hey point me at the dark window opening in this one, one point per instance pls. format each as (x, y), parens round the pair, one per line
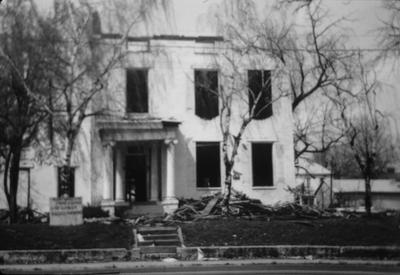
(96, 23)
(206, 93)
(136, 91)
(208, 164)
(262, 164)
(66, 181)
(260, 88)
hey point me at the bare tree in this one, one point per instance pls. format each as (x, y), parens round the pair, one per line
(239, 98)
(316, 129)
(365, 128)
(390, 30)
(312, 57)
(310, 63)
(315, 67)
(340, 160)
(241, 103)
(87, 58)
(27, 61)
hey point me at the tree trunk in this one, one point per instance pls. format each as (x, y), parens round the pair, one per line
(14, 178)
(69, 149)
(66, 171)
(368, 202)
(228, 185)
(5, 177)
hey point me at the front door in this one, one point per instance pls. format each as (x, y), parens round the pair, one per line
(136, 177)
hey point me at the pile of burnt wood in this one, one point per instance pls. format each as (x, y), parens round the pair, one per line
(240, 205)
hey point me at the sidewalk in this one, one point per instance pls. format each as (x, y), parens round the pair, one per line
(115, 266)
(188, 254)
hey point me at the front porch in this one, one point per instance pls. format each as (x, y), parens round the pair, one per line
(139, 159)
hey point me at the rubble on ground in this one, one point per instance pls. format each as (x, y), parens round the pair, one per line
(212, 207)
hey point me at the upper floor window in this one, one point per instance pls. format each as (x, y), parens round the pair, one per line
(208, 164)
(262, 164)
(136, 91)
(206, 93)
(260, 90)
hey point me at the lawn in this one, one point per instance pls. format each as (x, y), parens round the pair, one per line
(42, 236)
(221, 232)
(356, 231)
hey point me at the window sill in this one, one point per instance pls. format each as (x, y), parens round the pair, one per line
(208, 188)
(263, 187)
(137, 115)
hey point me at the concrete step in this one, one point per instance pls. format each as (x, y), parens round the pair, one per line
(157, 256)
(157, 230)
(172, 242)
(157, 249)
(160, 236)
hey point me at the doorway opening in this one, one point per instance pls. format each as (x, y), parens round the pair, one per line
(137, 174)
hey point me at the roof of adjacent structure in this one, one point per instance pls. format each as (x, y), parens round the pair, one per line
(307, 167)
(358, 185)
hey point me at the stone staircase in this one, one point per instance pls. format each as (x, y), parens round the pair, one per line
(158, 242)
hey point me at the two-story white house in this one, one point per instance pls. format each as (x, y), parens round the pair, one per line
(161, 137)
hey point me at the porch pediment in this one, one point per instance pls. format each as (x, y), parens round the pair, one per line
(119, 130)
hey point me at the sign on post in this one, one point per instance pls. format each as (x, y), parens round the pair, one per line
(66, 211)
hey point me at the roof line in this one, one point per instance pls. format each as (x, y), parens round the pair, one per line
(363, 192)
(198, 39)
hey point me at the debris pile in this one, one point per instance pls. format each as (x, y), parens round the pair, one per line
(25, 215)
(212, 207)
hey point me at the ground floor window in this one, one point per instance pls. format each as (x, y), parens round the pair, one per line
(262, 164)
(66, 181)
(208, 164)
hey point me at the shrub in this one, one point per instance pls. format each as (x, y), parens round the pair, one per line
(94, 212)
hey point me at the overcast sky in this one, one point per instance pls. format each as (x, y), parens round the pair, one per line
(189, 15)
(364, 14)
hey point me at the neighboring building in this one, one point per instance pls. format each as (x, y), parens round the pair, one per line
(313, 184)
(385, 194)
(161, 139)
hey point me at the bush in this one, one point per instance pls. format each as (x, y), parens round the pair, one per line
(120, 211)
(94, 212)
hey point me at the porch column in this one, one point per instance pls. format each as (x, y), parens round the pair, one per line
(154, 176)
(170, 184)
(108, 172)
(108, 178)
(170, 203)
(120, 177)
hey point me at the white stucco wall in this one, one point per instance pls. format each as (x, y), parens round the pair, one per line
(43, 186)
